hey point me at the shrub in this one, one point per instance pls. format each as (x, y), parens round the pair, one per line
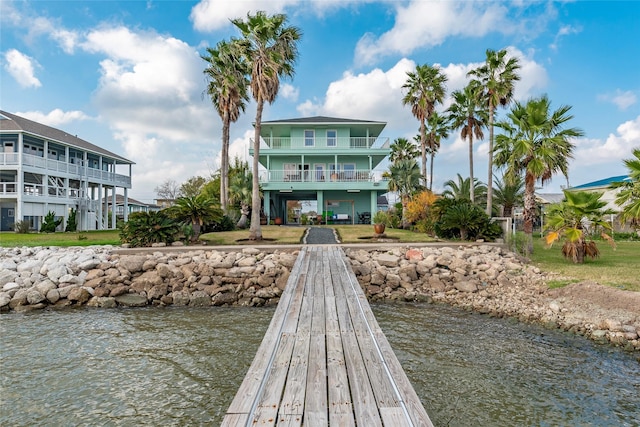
(146, 228)
(22, 227)
(420, 212)
(71, 221)
(459, 218)
(50, 223)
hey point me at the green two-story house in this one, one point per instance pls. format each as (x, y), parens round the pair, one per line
(325, 162)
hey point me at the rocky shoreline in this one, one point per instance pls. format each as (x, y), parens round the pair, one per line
(482, 278)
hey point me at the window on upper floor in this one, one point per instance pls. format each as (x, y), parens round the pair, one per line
(332, 138)
(309, 138)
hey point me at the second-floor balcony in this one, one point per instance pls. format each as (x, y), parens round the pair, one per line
(348, 176)
(338, 143)
(57, 167)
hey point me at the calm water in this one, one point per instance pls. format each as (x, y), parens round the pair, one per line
(182, 367)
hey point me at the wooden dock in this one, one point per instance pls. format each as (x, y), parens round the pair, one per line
(324, 360)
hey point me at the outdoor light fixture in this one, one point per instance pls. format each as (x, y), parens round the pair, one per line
(353, 191)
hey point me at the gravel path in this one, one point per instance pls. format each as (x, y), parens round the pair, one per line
(320, 236)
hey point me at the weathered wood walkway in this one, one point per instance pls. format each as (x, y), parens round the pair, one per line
(324, 360)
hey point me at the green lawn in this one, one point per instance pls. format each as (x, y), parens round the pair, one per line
(619, 267)
(271, 234)
(85, 238)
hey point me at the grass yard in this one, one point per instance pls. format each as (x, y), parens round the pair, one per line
(618, 268)
(84, 238)
(271, 235)
(363, 233)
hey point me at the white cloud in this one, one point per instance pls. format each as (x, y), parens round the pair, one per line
(22, 68)
(426, 24)
(595, 151)
(55, 117)
(289, 92)
(565, 30)
(622, 100)
(210, 15)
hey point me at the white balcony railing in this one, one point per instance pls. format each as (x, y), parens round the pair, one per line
(358, 175)
(50, 165)
(340, 143)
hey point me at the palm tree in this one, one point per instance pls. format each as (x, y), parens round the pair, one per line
(470, 114)
(509, 193)
(404, 178)
(461, 189)
(581, 211)
(240, 192)
(228, 82)
(196, 211)
(629, 196)
(270, 48)
(438, 125)
(425, 87)
(497, 77)
(402, 149)
(536, 143)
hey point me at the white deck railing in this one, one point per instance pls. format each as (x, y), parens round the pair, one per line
(50, 165)
(339, 143)
(358, 175)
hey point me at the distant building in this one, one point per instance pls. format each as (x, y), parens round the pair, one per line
(604, 186)
(133, 205)
(43, 169)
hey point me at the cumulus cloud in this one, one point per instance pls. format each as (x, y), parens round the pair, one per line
(614, 148)
(55, 117)
(210, 15)
(22, 68)
(622, 99)
(426, 24)
(289, 92)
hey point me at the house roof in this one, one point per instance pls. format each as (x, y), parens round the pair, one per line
(321, 120)
(602, 182)
(11, 122)
(550, 198)
(130, 201)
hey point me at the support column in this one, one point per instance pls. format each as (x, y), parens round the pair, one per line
(113, 208)
(18, 215)
(374, 202)
(267, 205)
(320, 201)
(99, 210)
(126, 204)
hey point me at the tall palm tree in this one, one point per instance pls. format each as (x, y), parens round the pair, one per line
(404, 178)
(509, 193)
(439, 127)
(535, 142)
(461, 189)
(270, 48)
(425, 88)
(470, 114)
(227, 73)
(498, 76)
(629, 196)
(402, 149)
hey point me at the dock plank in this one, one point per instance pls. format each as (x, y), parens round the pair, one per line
(324, 359)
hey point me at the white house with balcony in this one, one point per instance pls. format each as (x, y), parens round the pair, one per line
(326, 160)
(43, 169)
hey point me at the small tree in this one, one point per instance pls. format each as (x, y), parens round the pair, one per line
(72, 225)
(419, 211)
(146, 228)
(580, 213)
(50, 223)
(195, 211)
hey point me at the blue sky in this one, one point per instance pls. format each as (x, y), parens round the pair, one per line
(127, 75)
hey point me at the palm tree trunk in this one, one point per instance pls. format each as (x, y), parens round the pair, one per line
(255, 231)
(423, 151)
(471, 185)
(224, 164)
(529, 211)
(490, 176)
(431, 171)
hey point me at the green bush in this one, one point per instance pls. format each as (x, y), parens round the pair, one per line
(459, 218)
(145, 228)
(50, 223)
(22, 227)
(71, 221)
